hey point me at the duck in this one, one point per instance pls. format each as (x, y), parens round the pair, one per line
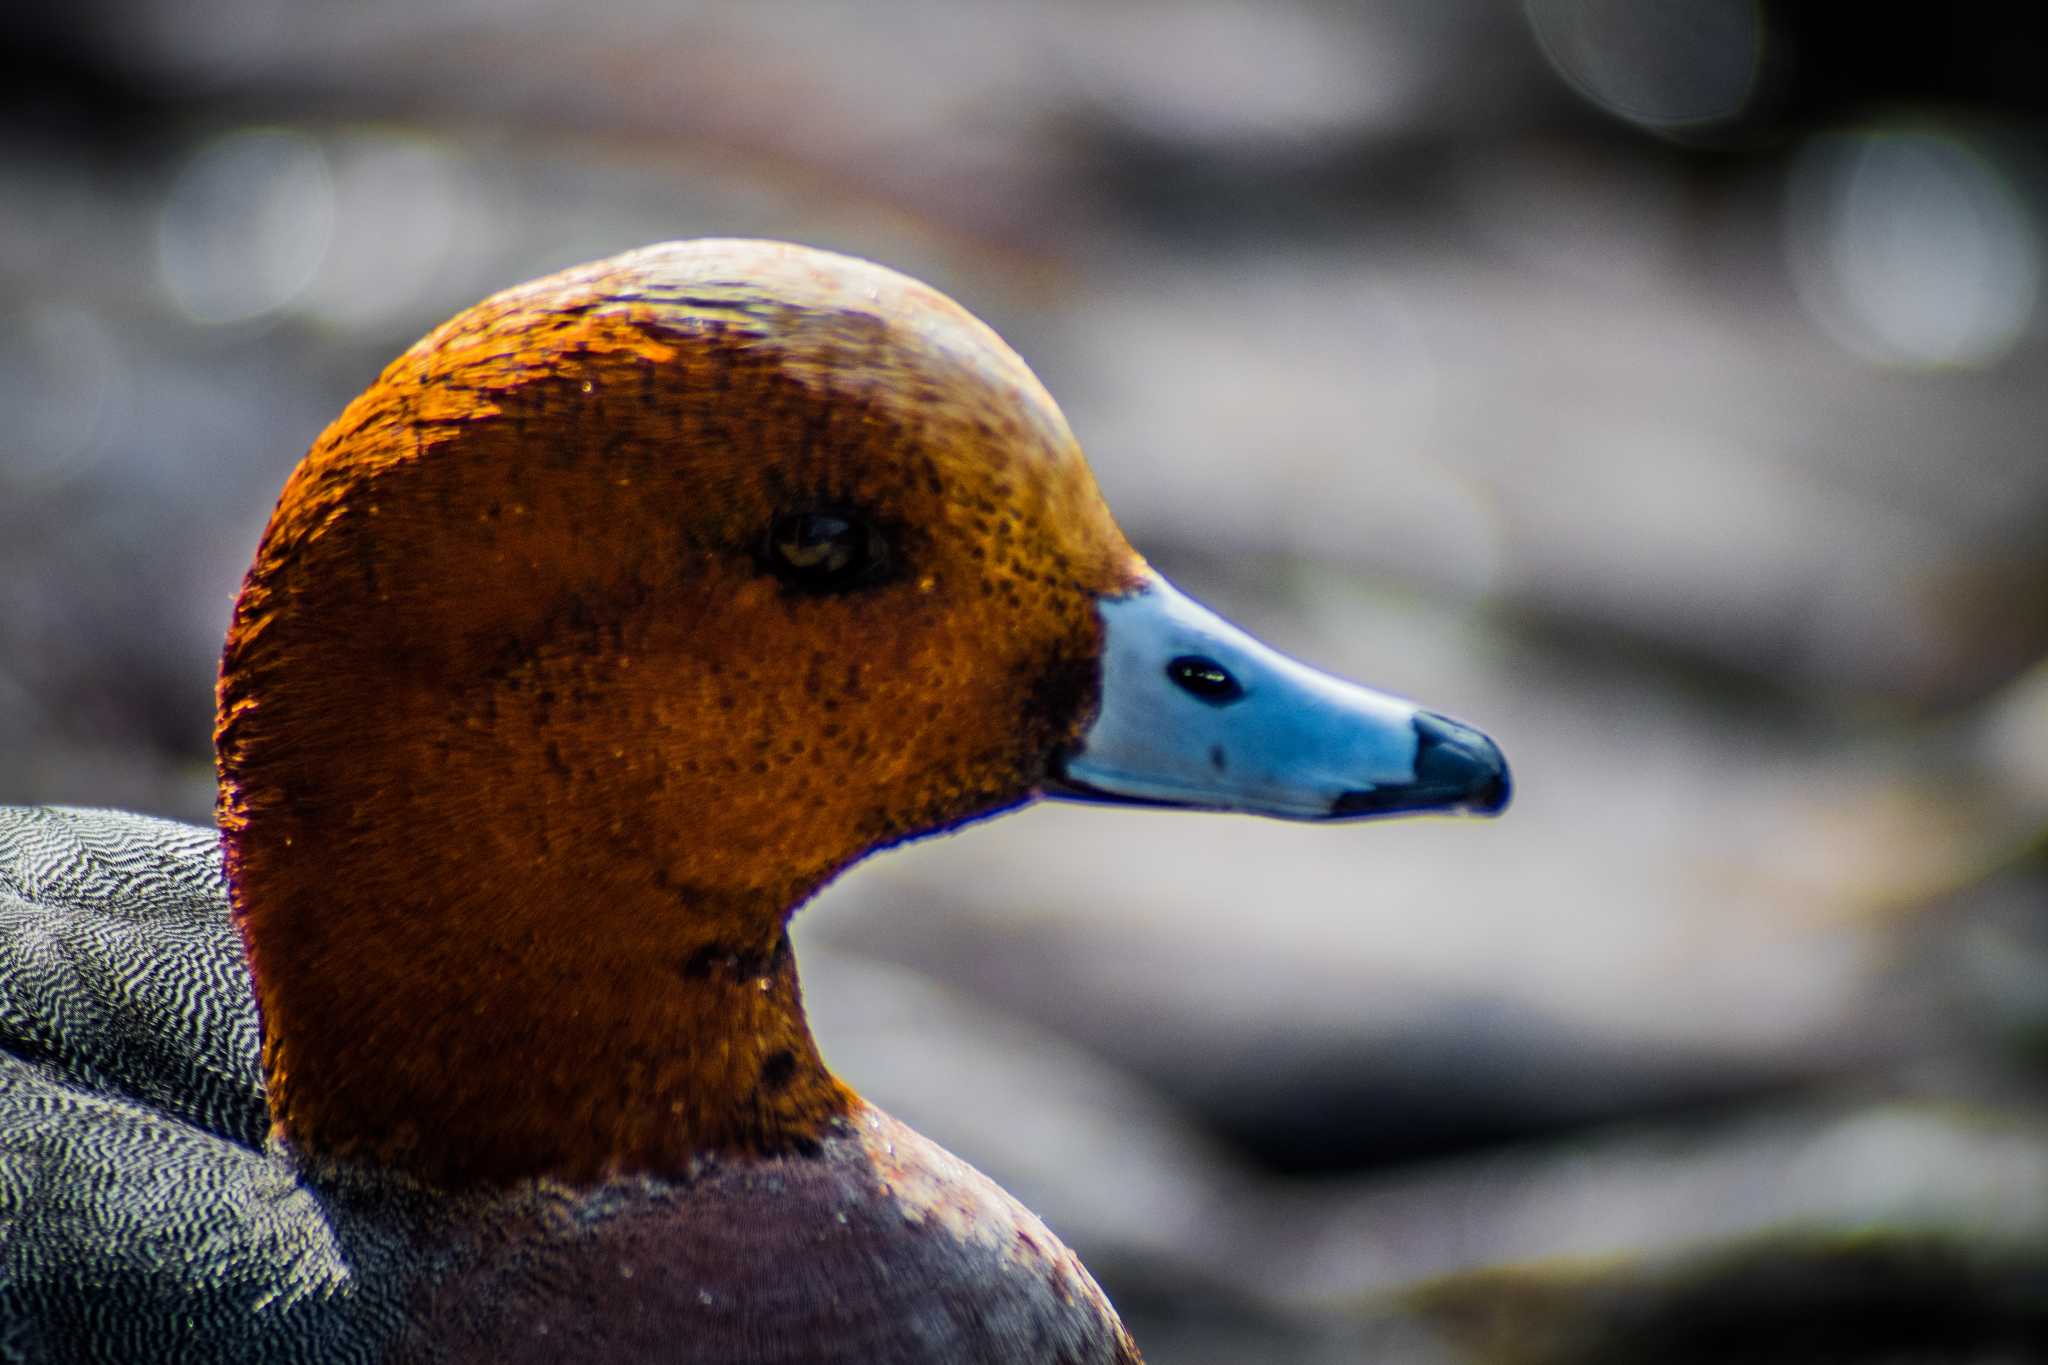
(622, 613)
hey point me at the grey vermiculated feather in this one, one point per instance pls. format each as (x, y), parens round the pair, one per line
(121, 973)
(141, 1218)
(144, 1217)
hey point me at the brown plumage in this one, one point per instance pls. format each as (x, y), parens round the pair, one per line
(525, 762)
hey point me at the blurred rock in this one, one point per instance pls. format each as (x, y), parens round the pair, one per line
(1109, 1165)
(1667, 458)
(1787, 1299)
(1615, 1245)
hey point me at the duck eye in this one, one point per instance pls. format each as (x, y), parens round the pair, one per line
(1204, 678)
(823, 550)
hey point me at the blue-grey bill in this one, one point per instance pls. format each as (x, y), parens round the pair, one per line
(1196, 713)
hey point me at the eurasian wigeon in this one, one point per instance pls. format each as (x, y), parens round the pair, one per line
(621, 614)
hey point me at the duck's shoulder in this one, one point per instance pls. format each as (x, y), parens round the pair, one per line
(124, 976)
(878, 1245)
(141, 1216)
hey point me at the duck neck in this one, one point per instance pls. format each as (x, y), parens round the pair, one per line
(596, 1026)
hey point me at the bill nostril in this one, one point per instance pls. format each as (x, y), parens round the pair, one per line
(1204, 678)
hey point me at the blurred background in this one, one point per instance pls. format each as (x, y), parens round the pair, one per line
(1662, 386)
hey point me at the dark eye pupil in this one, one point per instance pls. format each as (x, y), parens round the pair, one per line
(1204, 678)
(816, 542)
(820, 549)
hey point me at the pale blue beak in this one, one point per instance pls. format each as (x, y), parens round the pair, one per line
(1196, 713)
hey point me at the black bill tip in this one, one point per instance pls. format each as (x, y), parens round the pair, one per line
(1456, 768)
(1457, 758)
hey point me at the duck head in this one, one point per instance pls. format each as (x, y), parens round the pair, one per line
(624, 611)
